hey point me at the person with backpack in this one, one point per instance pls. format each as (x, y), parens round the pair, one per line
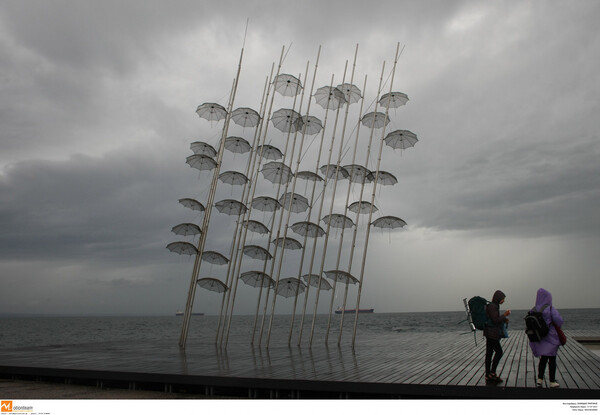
(492, 332)
(547, 347)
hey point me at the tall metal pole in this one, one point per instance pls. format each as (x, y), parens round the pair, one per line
(364, 259)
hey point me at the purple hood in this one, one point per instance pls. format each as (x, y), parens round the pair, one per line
(543, 297)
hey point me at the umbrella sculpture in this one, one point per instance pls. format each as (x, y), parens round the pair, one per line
(182, 248)
(277, 172)
(237, 145)
(351, 92)
(313, 280)
(192, 204)
(287, 85)
(287, 120)
(309, 175)
(257, 252)
(330, 97)
(342, 173)
(212, 284)
(202, 148)
(186, 229)
(341, 276)
(312, 125)
(290, 287)
(338, 220)
(288, 243)
(245, 117)
(294, 202)
(361, 207)
(386, 179)
(375, 120)
(200, 162)
(214, 258)
(230, 207)
(257, 279)
(211, 111)
(269, 152)
(265, 204)
(359, 174)
(401, 139)
(308, 229)
(393, 99)
(233, 178)
(256, 226)
(389, 222)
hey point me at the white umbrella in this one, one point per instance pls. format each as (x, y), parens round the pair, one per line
(359, 174)
(211, 111)
(265, 204)
(230, 207)
(351, 92)
(186, 229)
(389, 222)
(214, 258)
(212, 284)
(257, 279)
(246, 117)
(375, 120)
(313, 280)
(395, 99)
(269, 152)
(309, 175)
(192, 204)
(277, 172)
(182, 248)
(200, 162)
(342, 173)
(294, 202)
(287, 120)
(330, 97)
(401, 139)
(312, 125)
(338, 220)
(308, 229)
(287, 85)
(290, 287)
(362, 207)
(233, 178)
(202, 148)
(289, 243)
(256, 226)
(341, 276)
(257, 252)
(237, 145)
(386, 179)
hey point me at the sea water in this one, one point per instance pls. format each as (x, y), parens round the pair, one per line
(27, 331)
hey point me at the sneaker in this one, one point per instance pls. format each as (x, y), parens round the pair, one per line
(539, 382)
(554, 384)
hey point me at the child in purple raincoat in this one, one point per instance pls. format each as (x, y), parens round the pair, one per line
(547, 348)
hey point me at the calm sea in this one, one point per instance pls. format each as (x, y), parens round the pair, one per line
(43, 331)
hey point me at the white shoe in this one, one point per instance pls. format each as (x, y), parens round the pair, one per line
(554, 384)
(539, 382)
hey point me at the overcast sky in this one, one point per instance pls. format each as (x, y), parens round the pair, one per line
(97, 111)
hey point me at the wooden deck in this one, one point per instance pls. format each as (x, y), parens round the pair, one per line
(411, 365)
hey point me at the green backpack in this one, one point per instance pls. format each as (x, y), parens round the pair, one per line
(477, 312)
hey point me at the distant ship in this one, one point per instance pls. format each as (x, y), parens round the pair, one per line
(180, 313)
(339, 310)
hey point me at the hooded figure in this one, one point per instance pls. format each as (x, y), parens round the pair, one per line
(493, 312)
(548, 346)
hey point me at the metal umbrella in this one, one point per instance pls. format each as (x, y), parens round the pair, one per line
(233, 178)
(351, 92)
(342, 173)
(341, 276)
(330, 97)
(257, 279)
(277, 172)
(312, 125)
(269, 152)
(401, 139)
(287, 120)
(186, 229)
(257, 252)
(375, 120)
(192, 204)
(313, 280)
(212, 284)
(256, 226)
(200, 162)
(393, 99)
(237, 145)
(289, 243)
(182, 248)
(389, 222)
(338, 220)
(386, 179)
(202, 148)
(362, 207)
(246, 117)
(308, 229)
(359, 174)
(287, 85)
(214, 257)
(265, 204)
(231, 207)
(211, 111)
(309, 175)
(294, 202)
(290, 287)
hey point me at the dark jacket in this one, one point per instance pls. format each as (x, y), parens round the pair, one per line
(492, 310)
